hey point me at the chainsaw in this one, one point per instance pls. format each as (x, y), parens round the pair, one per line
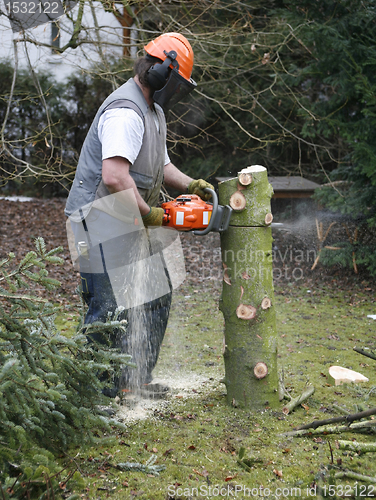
(188, 212)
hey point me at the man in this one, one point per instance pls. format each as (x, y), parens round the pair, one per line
(125, 152)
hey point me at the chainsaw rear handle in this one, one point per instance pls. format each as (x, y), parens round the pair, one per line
(213, 215)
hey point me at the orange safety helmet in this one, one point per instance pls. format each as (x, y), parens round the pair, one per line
(171, 78)
(177, 42)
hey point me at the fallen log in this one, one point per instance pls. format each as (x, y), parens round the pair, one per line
(343, 375)
(357, 447)
(354, 475)
(334, 429)
(147, 468)
(340, 409)
(282, 391)
(345, 418)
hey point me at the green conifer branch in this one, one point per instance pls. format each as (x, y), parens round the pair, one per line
(49, 385)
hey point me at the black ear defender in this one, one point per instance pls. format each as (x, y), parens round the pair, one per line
(159, 73)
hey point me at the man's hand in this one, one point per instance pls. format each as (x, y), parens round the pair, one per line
(154, 217)
(198, 186)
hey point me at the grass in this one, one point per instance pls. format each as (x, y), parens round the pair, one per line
(211, 450)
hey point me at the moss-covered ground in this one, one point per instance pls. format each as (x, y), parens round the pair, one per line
(211, 450)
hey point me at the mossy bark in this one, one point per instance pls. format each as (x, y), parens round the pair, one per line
(247, 302)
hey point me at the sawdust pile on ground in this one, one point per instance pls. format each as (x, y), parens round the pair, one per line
(132, 408)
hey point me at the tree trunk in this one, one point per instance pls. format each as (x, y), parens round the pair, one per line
(247, 302)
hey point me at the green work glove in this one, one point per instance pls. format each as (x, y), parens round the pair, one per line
(154, 217)
(198, 186)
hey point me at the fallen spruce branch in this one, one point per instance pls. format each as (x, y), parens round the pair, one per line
(345, 418)
(335, 429)
(148, 467)
(365, 353)
(289, 407)
(357, 447)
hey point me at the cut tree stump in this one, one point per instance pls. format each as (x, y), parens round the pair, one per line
(247, 301)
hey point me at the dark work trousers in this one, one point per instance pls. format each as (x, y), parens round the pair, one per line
(146, 322)
(146, 326)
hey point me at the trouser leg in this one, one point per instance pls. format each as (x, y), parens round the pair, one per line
(145, 332)
(146, 328)
(97, 294)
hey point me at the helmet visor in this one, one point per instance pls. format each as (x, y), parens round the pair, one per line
(176, 88)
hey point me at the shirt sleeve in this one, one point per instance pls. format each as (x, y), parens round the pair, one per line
(120, 132)
(167, 158)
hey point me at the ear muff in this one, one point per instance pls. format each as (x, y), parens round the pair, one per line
(159, 73)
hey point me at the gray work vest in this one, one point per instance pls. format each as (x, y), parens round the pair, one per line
(147, 170)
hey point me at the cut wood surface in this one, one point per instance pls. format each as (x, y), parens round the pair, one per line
(246, 312)
(245, 179)
(226, 278)
(237, 201)
(260, 370)
(344, 375)
(252, 169)
(266, 303)
(268, 218)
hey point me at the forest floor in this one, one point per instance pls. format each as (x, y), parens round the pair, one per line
(208, 448)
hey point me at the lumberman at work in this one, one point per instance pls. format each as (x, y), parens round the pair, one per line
(125, 151)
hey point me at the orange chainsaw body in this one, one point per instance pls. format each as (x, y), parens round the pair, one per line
(187, 212)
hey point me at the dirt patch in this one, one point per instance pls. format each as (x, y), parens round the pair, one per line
(23, 221)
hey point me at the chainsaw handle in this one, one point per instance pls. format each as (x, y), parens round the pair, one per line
(213, 215)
